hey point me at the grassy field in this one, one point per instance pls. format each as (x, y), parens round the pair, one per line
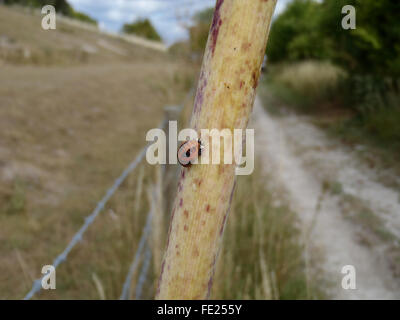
(74, 110)
(68, 128)
(65, 136)
(24, 42)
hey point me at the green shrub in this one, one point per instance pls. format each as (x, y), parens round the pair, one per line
(142, 28)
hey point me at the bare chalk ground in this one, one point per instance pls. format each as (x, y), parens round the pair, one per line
(299, 157)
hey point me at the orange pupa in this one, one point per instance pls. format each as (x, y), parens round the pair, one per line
(188, 152)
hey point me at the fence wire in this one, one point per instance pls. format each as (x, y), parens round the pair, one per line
(135, 263)
(37, 284)
(143, 273)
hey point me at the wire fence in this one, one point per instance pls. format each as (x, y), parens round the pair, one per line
(135, 263)
(143, 243)
(143, 272)
(37, 284)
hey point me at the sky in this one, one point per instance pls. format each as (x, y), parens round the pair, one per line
(168, 16)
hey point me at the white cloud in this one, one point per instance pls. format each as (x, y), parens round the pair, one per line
(112, 14)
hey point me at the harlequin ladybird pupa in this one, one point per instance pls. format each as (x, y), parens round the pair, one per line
(188, 152)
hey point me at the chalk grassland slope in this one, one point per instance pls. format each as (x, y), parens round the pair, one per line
(23, 41)
(68, 127)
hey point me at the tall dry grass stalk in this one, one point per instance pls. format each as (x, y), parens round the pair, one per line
(158, 230)
(262, 254)
(224, 99)
(310, 78)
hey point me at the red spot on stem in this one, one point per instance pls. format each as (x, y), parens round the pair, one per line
(216, 24)
(255, 80)
(246, 46)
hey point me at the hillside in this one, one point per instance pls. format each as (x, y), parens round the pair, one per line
(23, 41)
(74, 109)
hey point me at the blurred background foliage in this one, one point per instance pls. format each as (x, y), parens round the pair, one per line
(142, 27)
(367, 60)
(322, 69)
(199, 30)
(311, 30)
(313, 63)
(62, 6)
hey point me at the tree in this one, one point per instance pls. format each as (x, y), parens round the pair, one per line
(295, 33)
(373, 47)
(312, 30)
(198, 32)
(142, 27)
(61, 6)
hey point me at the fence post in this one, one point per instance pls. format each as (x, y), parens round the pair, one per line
(224, 99)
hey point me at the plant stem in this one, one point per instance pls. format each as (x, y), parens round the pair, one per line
(224, 100)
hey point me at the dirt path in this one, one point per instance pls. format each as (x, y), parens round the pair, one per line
(300, 158)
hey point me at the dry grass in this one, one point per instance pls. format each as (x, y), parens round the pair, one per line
(65, 134)
(263, 251)
(308, 86)
(23, 41)
(310, 78)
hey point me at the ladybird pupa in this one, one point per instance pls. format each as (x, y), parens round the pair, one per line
(188, 152)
